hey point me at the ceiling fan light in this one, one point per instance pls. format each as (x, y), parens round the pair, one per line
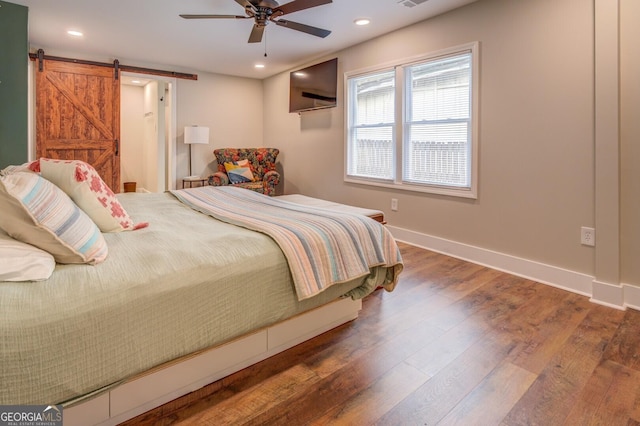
(362, 21)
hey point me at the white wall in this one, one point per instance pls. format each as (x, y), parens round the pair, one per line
(536, 131)
(537, 174)
(145, 118)
(131, 133)
(630, 138)
(153, 153)
(232, 109)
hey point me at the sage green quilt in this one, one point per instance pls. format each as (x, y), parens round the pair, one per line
(185, 283)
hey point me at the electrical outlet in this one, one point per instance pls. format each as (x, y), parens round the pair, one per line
(394, 204)
(587, 236)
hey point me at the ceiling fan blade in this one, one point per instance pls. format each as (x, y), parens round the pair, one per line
(244, 3)
(297, 5)
(214, 17)
(318, 32)
(256, 33)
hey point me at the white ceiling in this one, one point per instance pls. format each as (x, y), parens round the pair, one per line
(150, 32)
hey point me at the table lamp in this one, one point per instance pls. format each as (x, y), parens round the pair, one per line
(195, 134)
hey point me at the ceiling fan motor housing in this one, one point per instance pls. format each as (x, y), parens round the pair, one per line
(262, 15)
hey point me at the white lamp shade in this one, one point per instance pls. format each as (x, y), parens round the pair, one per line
(196, 134)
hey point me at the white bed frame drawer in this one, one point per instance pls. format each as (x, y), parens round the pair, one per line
(173, 380)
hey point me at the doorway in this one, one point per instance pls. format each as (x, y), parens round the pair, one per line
(147, 131)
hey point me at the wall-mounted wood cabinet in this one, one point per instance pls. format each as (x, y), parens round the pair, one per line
(14, 60)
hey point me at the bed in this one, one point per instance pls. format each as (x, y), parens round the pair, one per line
(175, 305)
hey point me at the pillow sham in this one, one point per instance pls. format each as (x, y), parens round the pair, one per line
(23, 262)
(37, 212)
(81, 182)
(238, 173)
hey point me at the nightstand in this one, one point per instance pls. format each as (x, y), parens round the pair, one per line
(193, 179)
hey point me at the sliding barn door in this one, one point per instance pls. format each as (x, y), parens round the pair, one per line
(78, 116)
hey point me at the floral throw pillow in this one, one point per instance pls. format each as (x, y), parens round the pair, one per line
(81, 182)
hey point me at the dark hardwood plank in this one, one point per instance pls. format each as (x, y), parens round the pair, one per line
(246, 405)
(556, 390)
(549, 328)
(437, 397)
(354, 376)
(374, 401)
(455, 343)
(612, 396)
(625, 347)
(493, 398)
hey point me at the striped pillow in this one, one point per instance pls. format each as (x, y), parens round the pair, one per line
(37, 212)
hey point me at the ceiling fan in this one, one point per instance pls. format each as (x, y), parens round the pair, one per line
(263, 11)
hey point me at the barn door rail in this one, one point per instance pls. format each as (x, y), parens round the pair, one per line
(116, 65)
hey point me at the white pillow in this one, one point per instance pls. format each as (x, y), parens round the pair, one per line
(23, 262)
(26, 167)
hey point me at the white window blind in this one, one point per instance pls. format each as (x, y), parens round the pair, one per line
(438, 122)
(371, 130)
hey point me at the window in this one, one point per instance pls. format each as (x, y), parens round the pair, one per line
(411, 125)
(371, 132)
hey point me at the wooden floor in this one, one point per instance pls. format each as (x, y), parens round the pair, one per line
(455, 343)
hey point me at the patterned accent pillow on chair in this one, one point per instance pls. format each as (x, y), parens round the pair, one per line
(238, 173)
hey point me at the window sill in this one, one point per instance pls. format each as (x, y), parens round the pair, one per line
(429, 189)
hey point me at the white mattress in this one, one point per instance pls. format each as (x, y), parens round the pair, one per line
(328, 205)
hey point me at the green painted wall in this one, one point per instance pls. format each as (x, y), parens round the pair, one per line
(14, 59)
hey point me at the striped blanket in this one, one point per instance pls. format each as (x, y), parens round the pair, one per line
(322, 247)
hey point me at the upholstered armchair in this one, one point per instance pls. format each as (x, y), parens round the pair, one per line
(250, 168)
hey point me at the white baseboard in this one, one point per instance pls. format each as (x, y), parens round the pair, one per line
(608, 294)
(632, 296)
(616, 296)
(619, 297)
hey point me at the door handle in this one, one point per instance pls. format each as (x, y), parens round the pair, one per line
(117, 146)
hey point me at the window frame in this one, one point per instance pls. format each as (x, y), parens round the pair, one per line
(399, 123)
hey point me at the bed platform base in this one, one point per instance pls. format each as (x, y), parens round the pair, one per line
(175, 379)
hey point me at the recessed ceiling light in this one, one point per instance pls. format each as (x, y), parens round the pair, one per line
(259, 65)
(136, 81)
(74, 33)
(362, 21)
